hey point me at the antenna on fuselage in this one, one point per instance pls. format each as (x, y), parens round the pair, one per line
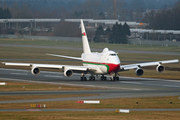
(86, 48)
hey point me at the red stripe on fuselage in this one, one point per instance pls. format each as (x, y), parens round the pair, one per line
(111, 67)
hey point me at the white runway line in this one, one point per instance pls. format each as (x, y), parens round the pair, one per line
(150, 79)
(132, 83)
(53, 76)
(14, 70)
(19, 73)
(171, 86)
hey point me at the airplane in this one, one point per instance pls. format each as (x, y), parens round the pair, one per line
(105, 63)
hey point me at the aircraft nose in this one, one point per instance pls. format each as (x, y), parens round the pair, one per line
(114, 68)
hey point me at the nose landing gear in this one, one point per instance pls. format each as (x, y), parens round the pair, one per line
(115, 77)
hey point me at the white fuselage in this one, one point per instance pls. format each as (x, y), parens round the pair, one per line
(107, 62)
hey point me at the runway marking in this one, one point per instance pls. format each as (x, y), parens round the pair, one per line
(51, 72)
(78, 85)
(53, 76)
(19, 73)
(171, 86)
(14, 70)
(131, 82)
(152, 79)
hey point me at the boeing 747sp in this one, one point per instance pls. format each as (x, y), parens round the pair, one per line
(105, 63)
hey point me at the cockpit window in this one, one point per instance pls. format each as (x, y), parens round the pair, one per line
(112, 54)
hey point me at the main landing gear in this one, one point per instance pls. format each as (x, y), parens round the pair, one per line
(114, 78)
(103, 78)
(83, 78)
(92, 78)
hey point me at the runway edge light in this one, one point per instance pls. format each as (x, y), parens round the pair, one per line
(2, 83)
(88, 102)
(122, 111)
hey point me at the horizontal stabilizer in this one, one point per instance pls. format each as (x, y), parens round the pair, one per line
(76, 58)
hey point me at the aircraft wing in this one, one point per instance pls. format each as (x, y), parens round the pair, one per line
(139, 65)
(52, 66)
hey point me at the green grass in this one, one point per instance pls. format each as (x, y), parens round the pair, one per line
(17, 86)
(116, 103)
(92, 45)
(89, 116)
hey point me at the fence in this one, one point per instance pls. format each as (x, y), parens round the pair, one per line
(152, 42)
(76, 39)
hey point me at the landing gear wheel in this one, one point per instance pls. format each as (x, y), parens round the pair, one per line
(91, 78)
(83, 78)
(103, 78)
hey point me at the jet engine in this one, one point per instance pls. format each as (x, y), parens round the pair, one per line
(35, 71)
(68, 73)
(139, 72)
(160, 68)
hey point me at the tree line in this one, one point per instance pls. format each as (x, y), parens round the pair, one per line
(127, 10)
(118, 34)
(165, 19)
(5, 13)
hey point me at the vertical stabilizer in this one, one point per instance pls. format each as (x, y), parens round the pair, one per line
(86, 48)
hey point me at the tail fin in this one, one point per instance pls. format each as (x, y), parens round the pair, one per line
(86, 48)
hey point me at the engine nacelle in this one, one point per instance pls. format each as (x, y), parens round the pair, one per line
(139, 72)
(68, 73)
(35, 71)
(160, 68)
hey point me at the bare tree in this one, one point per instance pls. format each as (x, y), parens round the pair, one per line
(92, 7)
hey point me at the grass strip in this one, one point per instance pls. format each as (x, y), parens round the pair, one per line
(120, 103)
(89, 116)
(92, 45)
(18, 86)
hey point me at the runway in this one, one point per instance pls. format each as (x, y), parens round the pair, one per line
(125, 88)
(125, 83)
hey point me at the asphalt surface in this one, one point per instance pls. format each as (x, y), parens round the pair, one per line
(125, 88)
